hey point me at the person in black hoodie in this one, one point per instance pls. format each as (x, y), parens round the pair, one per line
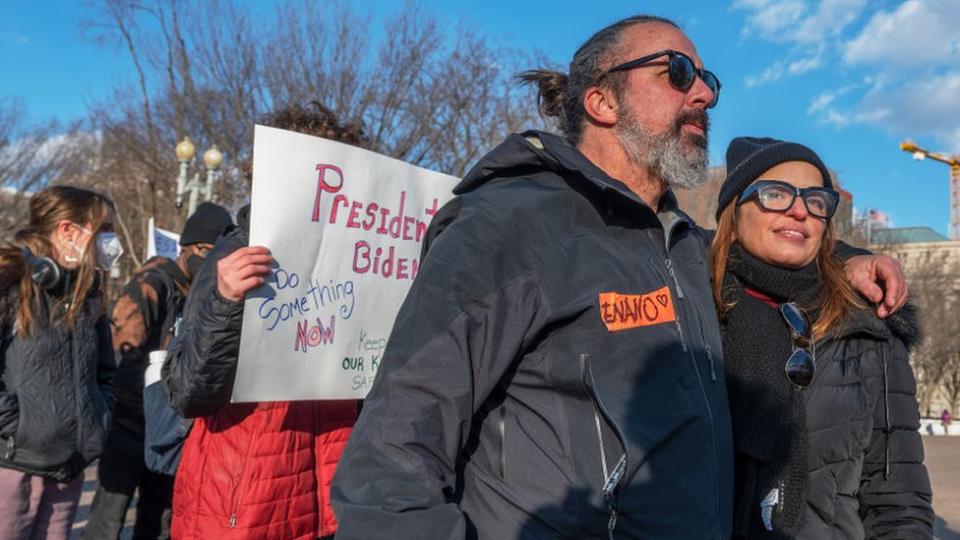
(822, 396)
(56, 359)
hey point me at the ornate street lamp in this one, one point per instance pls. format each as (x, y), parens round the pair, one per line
(212, 159)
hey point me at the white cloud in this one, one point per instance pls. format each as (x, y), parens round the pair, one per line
(807, 27)
(772, 17)
(797, 21)
(922, 107)
(821, 102)
(836, 118)
(829, 19)
(918, 32)
(771, 74)
(804, 65)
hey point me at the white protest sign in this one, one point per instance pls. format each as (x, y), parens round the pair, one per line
(345, 227)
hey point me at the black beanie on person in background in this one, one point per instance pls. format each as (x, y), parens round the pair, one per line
(205, 224)
(749, 157)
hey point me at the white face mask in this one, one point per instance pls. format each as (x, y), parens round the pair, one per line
(109, 250)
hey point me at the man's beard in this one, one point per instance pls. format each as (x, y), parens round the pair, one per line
(677, 162)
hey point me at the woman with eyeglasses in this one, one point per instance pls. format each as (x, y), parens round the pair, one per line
(822, 396)
(56, 359)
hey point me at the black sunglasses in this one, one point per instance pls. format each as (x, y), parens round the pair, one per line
(683, 72)
(802, 364)
(778, 196)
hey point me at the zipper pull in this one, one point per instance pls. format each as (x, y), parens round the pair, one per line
(612, 524)
(683, 342)
(233, 521)
(713, 373)
(673, 275)
(11, 445)
(609, 493)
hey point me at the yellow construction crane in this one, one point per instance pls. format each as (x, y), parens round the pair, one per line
(954, 163)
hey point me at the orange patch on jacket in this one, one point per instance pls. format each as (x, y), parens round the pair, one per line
(626, 311)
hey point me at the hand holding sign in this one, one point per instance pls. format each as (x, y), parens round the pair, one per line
(242, 271)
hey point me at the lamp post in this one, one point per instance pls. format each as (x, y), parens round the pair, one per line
(212, 159)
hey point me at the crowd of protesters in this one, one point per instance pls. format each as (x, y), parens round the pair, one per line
(773, 399)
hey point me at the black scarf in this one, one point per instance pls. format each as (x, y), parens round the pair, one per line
(769, 416)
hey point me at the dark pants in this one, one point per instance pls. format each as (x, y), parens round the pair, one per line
(120, 473)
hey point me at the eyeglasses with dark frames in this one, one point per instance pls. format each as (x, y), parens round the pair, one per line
(801, 365)
(683, 72)
(779, 196)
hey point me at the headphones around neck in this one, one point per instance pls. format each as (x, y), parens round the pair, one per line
(43, 270)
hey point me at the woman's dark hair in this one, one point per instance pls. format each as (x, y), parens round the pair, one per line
(561, 95)
(48, 208)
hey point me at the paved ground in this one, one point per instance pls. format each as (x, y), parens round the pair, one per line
(943, 463)
(942, 458)
(89, 488)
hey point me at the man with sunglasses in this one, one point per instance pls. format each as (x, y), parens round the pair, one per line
(556, 369)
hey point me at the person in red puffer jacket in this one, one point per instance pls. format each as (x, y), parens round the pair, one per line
(249, 470)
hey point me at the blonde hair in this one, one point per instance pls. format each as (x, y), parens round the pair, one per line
(837, 297)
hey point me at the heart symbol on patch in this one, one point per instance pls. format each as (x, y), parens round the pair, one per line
(663, 299)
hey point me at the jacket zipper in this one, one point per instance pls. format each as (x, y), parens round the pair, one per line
(234, 497)
(503, 442)
(696, 370)
(596, 421)
(616, 478)
(887, 430)
(76, 389)
(676, 285)
(706, 347)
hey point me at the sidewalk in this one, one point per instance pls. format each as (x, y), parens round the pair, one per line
(89, 488)
(943, 464)
(932, 426)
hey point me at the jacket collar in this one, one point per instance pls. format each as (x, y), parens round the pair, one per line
(537, 150)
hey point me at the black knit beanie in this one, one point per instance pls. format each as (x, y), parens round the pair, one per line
(749, 157)
(205, 224)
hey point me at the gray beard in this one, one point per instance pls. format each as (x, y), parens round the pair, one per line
(665, 156)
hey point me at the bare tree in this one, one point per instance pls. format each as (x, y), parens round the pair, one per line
(426, 95)
(32, 155)
(935, 290)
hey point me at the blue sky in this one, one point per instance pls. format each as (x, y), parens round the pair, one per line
(850, 78)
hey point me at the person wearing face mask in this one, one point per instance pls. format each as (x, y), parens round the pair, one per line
(144, 318)
(822, 397)
(56, 360)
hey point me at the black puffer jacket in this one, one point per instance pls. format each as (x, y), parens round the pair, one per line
(865, 455)
(55, 391)
(201, 363)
